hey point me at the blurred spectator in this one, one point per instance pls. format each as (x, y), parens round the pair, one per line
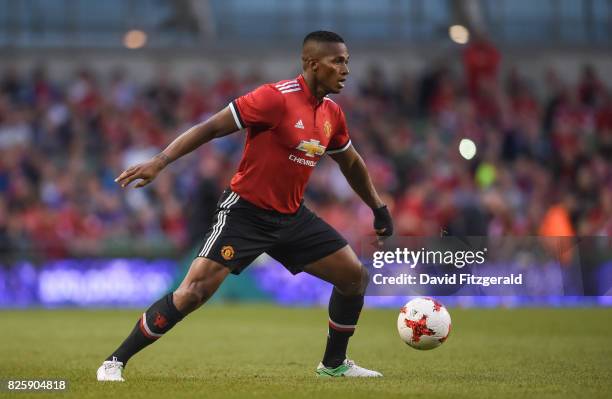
(481, 62)
(590, 87)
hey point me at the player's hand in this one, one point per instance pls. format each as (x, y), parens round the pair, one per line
(383, 225)
(146, 172)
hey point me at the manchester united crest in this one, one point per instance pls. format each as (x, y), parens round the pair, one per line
(327, 128)
(227, 252)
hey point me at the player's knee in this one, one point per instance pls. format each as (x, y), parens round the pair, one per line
(192, 296)
(188, 299)
(365, 279)
(201, 282)
(356, 285)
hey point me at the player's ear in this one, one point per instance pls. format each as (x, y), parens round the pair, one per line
(314, 64)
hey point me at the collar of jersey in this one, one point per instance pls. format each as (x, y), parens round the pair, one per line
(311, 98)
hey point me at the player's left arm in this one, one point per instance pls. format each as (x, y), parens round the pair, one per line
(354, 169)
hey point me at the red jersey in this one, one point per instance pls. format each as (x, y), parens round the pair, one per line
(288, 131)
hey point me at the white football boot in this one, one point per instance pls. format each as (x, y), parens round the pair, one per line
(348, 368)
(110, 370)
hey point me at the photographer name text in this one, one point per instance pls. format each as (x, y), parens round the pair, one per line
(447, 279)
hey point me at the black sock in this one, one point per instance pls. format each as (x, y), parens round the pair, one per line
(155, 322)
(343, 315)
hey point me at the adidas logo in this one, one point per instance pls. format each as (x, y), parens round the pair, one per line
(299, 124)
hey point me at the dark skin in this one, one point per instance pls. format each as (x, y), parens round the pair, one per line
(325, 68)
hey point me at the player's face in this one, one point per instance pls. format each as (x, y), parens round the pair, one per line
(332, 69)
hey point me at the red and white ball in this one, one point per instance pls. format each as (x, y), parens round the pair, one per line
(424, 323)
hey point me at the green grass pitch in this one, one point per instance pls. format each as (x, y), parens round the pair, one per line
(244, 351)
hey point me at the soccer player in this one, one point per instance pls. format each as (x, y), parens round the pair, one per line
(290, 125)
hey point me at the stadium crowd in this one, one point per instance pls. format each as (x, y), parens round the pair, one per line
(543, 164)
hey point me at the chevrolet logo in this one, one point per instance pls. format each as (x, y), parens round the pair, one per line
(311, 148)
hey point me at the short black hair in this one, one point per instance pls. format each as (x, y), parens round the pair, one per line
(323, 36)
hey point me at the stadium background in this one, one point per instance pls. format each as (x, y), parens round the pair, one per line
(89, 88)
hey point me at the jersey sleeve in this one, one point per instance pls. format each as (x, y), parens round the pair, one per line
(263, 107)
(340, 141)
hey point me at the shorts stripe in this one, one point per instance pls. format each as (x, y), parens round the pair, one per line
(215, 234)
(229, 201)
(220, 222)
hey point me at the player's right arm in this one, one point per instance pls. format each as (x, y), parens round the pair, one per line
(219, 125)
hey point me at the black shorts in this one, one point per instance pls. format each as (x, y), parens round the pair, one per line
(241, 231)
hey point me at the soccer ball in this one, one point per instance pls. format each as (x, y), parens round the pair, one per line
(424, 323)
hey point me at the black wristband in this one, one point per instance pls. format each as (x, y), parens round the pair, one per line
(381, 211)
(382, 220)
